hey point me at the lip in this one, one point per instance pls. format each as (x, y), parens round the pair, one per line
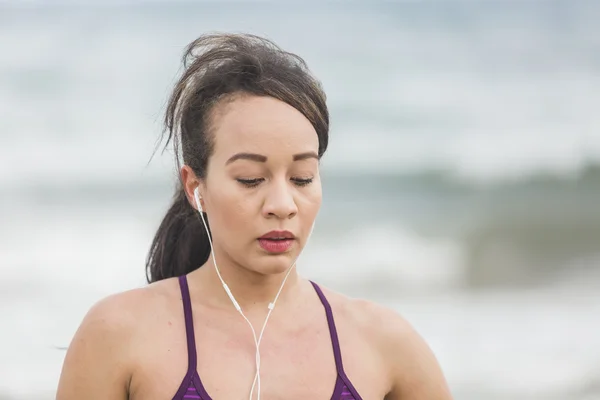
(268, 243)
(278, 235)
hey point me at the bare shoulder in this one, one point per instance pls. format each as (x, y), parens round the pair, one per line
(118, 315)
(413, 368)
(373, 319)
(100, 357)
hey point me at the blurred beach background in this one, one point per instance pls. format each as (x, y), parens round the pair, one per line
(461, 186)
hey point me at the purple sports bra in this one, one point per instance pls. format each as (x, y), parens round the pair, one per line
(191, 387)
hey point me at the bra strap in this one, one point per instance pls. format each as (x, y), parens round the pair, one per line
(332, 331)
(189, 323)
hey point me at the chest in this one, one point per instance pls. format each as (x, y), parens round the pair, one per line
(296, 363)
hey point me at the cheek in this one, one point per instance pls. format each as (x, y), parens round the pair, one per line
(232, 210)
(235, 216)
(312, 202)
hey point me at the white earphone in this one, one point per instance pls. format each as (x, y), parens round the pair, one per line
(271, 305)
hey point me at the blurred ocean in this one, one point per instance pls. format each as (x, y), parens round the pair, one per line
(462, 183)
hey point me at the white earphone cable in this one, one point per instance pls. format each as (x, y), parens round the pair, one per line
(235, 303)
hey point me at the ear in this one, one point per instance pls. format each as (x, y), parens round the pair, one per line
(190, 182)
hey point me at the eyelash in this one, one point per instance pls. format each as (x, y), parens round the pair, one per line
(250, 183)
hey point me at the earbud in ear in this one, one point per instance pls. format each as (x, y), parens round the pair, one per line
(197, 198)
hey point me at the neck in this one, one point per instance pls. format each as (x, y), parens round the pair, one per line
(252, 291)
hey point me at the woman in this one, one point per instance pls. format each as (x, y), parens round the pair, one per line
(250, 123)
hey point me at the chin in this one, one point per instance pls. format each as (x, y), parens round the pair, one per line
(274, 264)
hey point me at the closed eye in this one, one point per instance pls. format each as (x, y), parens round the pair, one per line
(302, 181)
(250, 183)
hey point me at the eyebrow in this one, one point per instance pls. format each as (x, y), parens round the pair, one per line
(260, 158)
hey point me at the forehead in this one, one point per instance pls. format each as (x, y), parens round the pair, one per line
(262, 125)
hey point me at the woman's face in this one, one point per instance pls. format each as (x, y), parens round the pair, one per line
(263, 176)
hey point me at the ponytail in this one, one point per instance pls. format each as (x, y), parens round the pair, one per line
(180, 244)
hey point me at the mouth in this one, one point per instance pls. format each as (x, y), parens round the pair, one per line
(276, 241)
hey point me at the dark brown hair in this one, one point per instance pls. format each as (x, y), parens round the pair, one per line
(216, 68)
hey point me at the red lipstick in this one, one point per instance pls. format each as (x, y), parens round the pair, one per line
(276, 241)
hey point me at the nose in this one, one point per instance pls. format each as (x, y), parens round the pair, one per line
(279, 201)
